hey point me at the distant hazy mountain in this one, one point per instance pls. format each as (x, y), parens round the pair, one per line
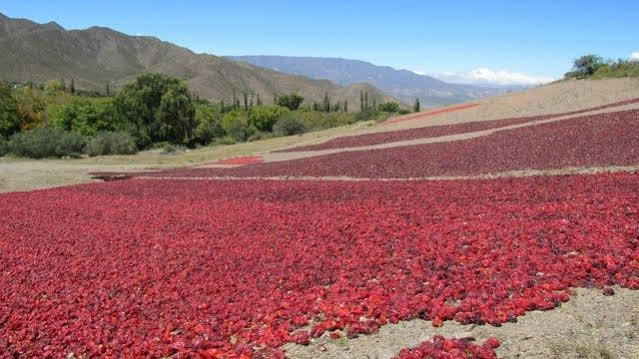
(403, 84)
(35, 52)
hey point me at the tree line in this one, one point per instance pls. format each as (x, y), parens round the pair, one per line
(596, 67)
(156, 110)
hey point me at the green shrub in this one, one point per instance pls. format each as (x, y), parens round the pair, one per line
(619, 68)
(289, 125)
(366, 114)
(4, 147)
(292, 101)
(314, 120)
(263, 118)
(209, 124)
(45, 142)
(389, 107)
(235, 124)
(111, 143)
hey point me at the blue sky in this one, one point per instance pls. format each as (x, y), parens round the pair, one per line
(462, 39)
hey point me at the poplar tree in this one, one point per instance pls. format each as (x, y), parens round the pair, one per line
(417, 106)
(327, 102)
(235, 102)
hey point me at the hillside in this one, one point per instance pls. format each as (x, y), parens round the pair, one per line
(402, 84)
(95, 56)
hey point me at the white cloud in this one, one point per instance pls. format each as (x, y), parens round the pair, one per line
(488, 76)
(420, 72)
(634, 55)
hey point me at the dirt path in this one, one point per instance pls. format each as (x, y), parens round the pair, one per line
(518, 173)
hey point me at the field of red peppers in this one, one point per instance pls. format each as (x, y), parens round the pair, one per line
(410, 134)
(435, 131)
(441, 347)
(161, 267)
(596, 140)
(243, 160)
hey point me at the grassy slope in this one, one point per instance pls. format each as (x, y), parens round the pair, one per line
(626, 69)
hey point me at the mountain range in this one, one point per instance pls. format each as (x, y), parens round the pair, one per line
(95, 56)
(402, 84)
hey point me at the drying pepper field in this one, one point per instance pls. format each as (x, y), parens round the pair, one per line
(162, 266)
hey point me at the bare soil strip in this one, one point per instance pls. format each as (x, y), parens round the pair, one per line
(589, 325)
(518, 173)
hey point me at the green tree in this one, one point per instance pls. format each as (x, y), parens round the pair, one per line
(245, 102)
(263, 118)
(292, 101)
(345, 105)
(53, 87)
(159, 108)
(32, 108)
(9, 119)
(327, 103)
(87, 117)
(366, 99)
(259, 100)
(108, 89)
(417, 106)
(235, 124)
(235, 106)
(209, 124)
(586, 66)
(72, 87)
(361, 100)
